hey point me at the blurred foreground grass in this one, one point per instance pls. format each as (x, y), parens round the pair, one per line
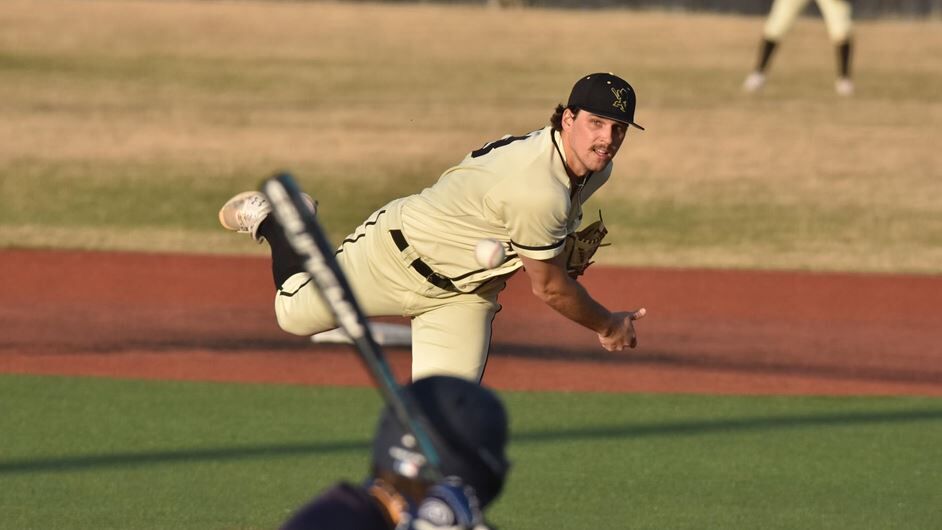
(103, 454)
(126, 124)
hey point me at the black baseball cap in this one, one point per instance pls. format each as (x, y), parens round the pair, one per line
(606, 95)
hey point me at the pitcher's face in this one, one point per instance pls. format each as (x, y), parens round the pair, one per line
(591, 141)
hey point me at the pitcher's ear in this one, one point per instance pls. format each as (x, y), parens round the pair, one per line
(568, 117)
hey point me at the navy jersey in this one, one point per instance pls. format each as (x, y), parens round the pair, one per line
(342, 507)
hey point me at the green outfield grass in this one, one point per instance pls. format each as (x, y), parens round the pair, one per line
(86, 453)
(127, 123)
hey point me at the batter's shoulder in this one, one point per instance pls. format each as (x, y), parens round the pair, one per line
(341, 507)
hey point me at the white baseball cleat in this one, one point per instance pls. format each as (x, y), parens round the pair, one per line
(754, 82)
(246, 211)
(844, 87)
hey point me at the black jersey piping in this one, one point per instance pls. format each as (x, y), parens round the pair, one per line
(573, 189)
(543, 247)
(294, 292)
(357, 238)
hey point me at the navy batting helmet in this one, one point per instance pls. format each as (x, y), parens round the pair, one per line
(468, 429)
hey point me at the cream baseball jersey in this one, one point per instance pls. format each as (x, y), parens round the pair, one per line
(515, 190)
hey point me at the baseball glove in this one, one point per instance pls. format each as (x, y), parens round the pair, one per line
(582, 245)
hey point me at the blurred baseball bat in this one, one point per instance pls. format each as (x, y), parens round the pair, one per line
(307, 238)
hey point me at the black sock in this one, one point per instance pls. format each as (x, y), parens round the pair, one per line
(285, 262)
(765, 54)
(844, 55)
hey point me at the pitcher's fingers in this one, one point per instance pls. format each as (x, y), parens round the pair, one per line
(639, 314)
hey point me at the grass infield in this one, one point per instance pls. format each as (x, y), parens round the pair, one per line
(88, 453)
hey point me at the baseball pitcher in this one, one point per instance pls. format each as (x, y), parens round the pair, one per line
(415, 256)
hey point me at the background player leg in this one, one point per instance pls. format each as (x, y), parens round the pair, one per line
(837, 16)
(781, 17)
(844, 86)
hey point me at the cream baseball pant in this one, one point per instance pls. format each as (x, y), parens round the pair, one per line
(836, 13)
(451, 332)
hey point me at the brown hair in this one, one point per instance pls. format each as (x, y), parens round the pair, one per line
(556, 120)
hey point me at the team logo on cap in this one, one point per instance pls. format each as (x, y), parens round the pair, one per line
(619, 103)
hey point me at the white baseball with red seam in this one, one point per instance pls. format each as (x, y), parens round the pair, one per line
(489, 253)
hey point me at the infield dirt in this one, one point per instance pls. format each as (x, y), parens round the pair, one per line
(161, 316)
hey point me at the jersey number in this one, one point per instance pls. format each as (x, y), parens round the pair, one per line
(495, 144)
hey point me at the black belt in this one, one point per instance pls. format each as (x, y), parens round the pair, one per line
(432, 277)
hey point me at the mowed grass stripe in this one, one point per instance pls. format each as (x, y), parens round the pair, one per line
(101, 453)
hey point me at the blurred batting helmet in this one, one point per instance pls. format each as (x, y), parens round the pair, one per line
(469, 429)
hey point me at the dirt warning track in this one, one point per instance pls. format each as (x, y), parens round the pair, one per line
(719, 332)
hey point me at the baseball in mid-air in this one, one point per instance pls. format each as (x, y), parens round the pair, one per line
(489, 253)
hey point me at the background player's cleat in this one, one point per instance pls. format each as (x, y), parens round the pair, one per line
(844, 87)
(246, 211)
(754, 82)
